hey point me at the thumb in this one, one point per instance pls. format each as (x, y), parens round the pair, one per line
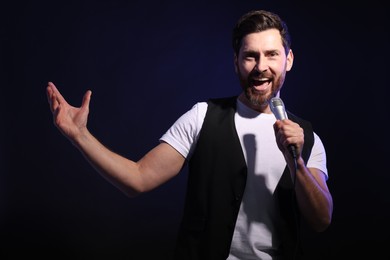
(86, 99)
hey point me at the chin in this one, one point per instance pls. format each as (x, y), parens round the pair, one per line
(258, 102)
(258, 99)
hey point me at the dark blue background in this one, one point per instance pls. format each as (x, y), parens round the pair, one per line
(147, 62)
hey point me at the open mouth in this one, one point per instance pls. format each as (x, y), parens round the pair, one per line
(261, 84)
(261, 81)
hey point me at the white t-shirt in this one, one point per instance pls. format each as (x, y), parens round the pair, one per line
(254, 235)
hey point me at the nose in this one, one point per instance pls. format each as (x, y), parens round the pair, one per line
(261, 66)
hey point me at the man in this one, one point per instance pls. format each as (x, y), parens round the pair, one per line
(246, 191)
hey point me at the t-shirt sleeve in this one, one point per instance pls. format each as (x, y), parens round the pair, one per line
(183, 134)
(317, 157)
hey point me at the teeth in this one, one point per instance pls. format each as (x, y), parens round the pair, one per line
(262, 79)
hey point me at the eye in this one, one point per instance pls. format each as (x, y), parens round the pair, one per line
(272, 54)
(249, 58)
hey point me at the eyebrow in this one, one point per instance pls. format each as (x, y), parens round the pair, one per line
(252, 52)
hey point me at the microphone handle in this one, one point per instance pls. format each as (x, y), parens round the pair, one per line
(293, 151)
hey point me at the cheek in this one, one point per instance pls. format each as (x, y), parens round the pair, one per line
(245, 69)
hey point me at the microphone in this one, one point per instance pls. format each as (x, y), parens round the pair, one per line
(277, 107)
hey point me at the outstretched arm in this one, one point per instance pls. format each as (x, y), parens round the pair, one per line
(313, 196)
(159, 165)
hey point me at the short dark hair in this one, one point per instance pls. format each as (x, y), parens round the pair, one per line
(257, 21)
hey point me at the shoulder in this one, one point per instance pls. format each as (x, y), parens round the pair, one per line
(298, 119)
(222, 102)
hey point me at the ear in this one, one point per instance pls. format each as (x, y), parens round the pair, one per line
(235, 63)
(290, 60)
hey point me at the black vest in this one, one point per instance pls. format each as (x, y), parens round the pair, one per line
(216, 183)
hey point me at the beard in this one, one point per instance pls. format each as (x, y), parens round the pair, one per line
(259, 99)
(256, 99)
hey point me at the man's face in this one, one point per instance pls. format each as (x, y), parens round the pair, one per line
(261, 66)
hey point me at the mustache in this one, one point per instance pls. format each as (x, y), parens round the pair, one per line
(257, 75)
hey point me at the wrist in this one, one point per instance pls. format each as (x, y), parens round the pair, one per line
(81, 138)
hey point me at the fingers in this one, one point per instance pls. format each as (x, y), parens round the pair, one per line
(51, 98)
(288, 132)
(56, 100)
(60, 99)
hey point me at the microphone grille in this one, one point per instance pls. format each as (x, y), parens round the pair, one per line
(277, 107)
(275, 101)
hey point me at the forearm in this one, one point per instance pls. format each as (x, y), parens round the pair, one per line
(314, 198)
(132, 178)
(121, 172)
